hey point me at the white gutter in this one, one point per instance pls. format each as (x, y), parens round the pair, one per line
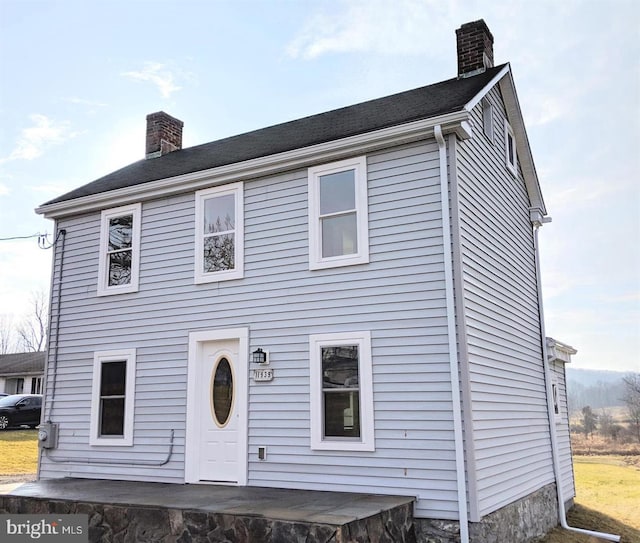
(537, 222)
(451, 332)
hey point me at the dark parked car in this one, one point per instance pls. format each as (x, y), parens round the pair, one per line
(20, 410)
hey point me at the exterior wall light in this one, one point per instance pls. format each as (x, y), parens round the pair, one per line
(259, 356)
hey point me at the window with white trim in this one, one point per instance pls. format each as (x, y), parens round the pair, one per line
(487, 119)
(338, 217)
(342, 417)
(219, 233)
(511, 155)
(555, 396)
(119, 260)
(112, 400)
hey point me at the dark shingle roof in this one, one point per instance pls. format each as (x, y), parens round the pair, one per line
(22, 363)
(417, 104)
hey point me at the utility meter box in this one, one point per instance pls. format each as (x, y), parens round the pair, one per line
(48, 435)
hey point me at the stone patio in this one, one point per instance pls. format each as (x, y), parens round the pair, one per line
(137, 512)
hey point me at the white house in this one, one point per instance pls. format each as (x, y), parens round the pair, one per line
(348, 302)
(22, 373)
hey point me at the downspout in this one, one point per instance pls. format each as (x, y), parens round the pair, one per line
(538, 220)
(451, 333)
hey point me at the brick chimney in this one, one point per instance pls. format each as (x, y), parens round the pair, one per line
(475, 48)
(164, 134)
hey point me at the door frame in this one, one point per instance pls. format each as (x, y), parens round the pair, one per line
(192, 438)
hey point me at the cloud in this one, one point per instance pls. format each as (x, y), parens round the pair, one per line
(373, 26)
(155, 73)
(4, 190)
(44, 133)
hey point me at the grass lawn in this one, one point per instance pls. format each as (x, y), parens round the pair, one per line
(608, 494)
(18, 451)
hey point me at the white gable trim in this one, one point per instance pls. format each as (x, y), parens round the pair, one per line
(456, 122)
(504, 78)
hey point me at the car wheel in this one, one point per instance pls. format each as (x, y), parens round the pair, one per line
(4, 422)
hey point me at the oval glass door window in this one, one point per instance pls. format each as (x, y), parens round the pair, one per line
(222, 392)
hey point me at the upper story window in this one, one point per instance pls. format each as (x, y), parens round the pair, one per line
(341, 392)
(112, 402)
(219, 233)
(511, 156)
(487, 119)
(338, 220)
(119, 250)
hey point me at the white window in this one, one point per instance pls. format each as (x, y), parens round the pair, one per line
(555, 392)
(487, 119)
(112, 401)
(511, 155)
(119, 250)
(219, 233)
(36, 385)
(341, 392)
(338, 221)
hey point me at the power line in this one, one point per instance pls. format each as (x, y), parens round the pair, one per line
(20, 237)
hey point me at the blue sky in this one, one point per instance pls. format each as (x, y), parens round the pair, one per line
(77, 80)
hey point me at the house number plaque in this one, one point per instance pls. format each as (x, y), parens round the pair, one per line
(263, 375)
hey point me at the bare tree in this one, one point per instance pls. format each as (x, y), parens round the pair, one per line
(32, 331)
(631, 399)
(7, 343)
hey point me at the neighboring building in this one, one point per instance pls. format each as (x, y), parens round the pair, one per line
(348, 302)
(22, 373)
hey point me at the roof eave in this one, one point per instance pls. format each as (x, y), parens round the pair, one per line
(455, 122)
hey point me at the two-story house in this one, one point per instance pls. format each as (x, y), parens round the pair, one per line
(348, 302)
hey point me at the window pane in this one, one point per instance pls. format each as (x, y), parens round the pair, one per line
(340, 367)
(120, 268)
(112, 378)
(341, 414)
(219, 253)
(219, 214)
(120, 232)
(112, 417)
(511, 151)
(222, 393)
(337, 192)
(339, 235)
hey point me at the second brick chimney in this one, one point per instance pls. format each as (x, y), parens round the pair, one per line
(475, 48)
(164, 134)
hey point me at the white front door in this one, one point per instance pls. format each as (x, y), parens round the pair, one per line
(216, 430)
(219, 414)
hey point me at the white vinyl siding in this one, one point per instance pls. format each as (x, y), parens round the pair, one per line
(398, 296)
(507, 392)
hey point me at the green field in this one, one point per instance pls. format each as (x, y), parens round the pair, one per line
(608, 489)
